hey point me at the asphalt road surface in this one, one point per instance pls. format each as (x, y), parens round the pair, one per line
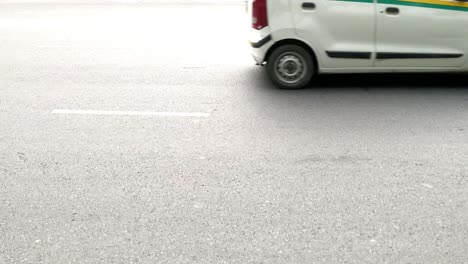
(144, 133)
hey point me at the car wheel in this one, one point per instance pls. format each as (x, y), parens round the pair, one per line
(290, 67)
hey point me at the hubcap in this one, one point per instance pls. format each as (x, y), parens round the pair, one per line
(290, 67)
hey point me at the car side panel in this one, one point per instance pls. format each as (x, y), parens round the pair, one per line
(424, 33)
(340, 31)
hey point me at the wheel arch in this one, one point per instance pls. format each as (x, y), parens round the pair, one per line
(293, 42)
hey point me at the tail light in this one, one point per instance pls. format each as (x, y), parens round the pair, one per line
(259, 14)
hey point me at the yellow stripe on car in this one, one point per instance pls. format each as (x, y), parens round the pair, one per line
(439, 2)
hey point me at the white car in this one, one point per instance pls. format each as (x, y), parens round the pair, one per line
(297, 39)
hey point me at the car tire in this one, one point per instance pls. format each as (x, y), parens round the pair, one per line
(291, 67)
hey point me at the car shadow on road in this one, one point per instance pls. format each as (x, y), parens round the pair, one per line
(392, 80)
(388, 81)
(362, 99)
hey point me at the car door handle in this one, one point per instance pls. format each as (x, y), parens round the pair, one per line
(392, 11)
(308, 6)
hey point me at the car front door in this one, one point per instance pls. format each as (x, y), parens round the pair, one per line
(421, 33)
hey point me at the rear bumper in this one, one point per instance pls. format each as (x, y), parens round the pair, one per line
(261, 43)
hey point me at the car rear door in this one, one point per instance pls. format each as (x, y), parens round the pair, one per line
(342, 32)
(421, 33)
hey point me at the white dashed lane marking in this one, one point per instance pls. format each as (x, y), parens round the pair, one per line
(130, 113)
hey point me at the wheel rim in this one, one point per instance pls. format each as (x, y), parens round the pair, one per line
(290, 67)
